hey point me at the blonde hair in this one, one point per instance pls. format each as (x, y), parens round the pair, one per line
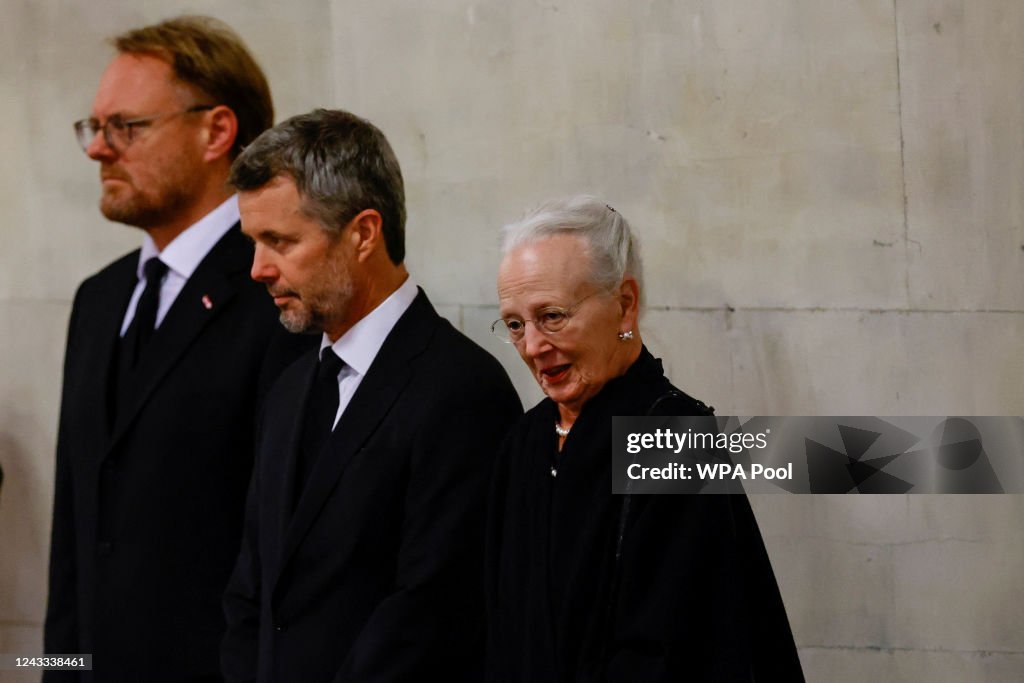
(207, 55)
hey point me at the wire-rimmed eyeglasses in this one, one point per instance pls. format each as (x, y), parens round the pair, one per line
(119, 132)
(549, 320)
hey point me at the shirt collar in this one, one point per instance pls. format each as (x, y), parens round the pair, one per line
(188, 249)
(359, 346)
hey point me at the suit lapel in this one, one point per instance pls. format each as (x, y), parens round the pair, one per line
(205, 294)
(292, 438)
(276, 458)
(369, 407)
(106, 313)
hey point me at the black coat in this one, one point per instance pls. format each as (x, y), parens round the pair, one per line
(378, 575)
(692, 597)
(148, 505)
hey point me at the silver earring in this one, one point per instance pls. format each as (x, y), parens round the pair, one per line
(626, 336)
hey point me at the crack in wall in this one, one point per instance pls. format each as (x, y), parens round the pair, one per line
(903, 154)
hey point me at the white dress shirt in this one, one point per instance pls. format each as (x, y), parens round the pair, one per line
(182, 256)
(359, 346)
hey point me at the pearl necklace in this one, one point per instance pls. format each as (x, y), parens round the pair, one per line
(562, 431)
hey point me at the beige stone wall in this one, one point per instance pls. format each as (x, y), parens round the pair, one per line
(829, 195)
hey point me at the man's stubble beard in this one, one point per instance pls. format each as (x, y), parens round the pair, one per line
(140, 211)
(317, 308)
(175, 192)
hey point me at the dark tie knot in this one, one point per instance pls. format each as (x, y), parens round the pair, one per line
(330, 365)
(143, 324)
(154, 270)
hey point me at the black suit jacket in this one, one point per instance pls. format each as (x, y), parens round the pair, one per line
(149, 505)
(378, 574)
(584, 586)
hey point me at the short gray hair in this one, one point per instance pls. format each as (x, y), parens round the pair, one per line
(614, 250)
(340, 164)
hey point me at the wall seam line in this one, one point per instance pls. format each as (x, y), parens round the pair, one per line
(903, 154)
(789, 309)
(882, 648)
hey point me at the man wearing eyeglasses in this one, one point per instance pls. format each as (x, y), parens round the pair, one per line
(169, 350)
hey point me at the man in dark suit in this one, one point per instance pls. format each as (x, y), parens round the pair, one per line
(362, 553)
(166, 350)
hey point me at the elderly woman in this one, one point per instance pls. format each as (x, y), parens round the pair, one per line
(581, 587)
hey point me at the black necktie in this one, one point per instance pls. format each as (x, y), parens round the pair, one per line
(321, 409)
(141, 328)
(135, 337)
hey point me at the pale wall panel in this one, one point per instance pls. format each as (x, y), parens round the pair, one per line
(33, 340)
(849, 665)
(962, 72)
(757, 146)
(959, 592)
(835, 362)
(876, 363)
(18, 639)
(921, 572)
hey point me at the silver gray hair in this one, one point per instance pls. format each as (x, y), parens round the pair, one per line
(341, 165)
(614, 250)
